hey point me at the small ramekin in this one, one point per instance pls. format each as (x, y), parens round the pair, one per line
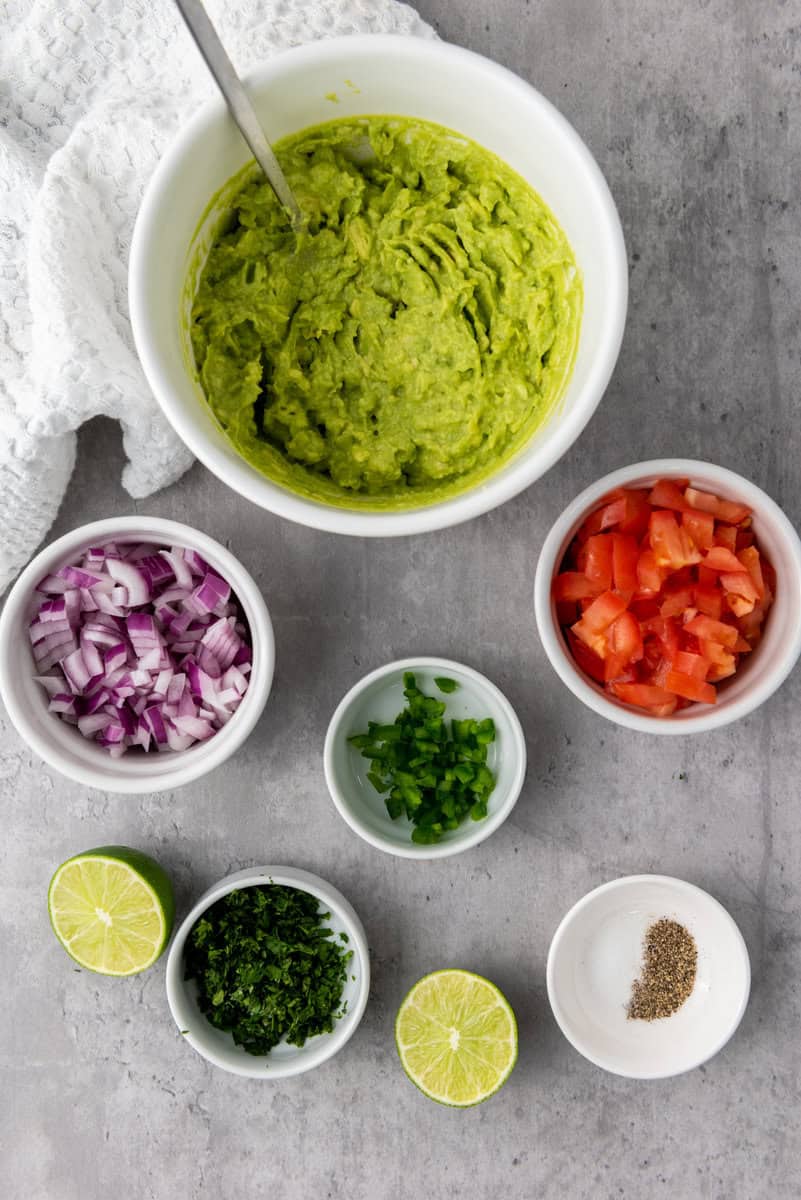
(766, 667)
(379, 697)
(283, 1060)
(61, 745)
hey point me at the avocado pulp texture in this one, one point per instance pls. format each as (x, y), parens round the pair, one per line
(409, 339)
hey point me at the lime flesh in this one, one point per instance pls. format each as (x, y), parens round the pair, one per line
(112, 909)
(457, 1037)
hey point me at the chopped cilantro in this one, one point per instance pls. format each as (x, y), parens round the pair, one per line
(436, 776)
(267, 967)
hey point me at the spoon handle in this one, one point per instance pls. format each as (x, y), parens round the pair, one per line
(229, 83)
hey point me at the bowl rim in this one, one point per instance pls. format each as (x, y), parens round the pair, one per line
(696, 718)
(255, 1066)
(179, 767)
(586, 901)
(480, 830)
(514, 476)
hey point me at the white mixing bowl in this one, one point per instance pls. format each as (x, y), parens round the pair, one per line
(386, 75)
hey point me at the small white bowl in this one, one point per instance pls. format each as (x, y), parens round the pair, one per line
(61, 745)
(596, 954)
(217, 1046)
(379, 697)
(762, 671)
(373, 75)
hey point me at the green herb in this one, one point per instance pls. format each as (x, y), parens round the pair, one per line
(445, 685)
(435, 775)
(267, 967)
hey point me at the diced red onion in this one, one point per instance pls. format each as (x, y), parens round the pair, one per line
(140, 646)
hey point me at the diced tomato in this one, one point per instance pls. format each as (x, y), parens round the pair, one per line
(574, 585)
(638, 510)
(721, 559)
(617, 669)
(691, 664)
(598, 563)
(715, 654)
(690, 688)
(700, 527)
(597, 619)
(672, 545)
(611, 513)
(589, 662)
(741, 583)
(661, 592)
(642, 695)
(644, 609)
(625, 552)
(739, 605)
(650, 575)
(713, 631)
(708, 600)
(667, 493)
(750, 559)
(625, 637)
(676, 600)
(726, 535)
(724, 510)
(718, 673)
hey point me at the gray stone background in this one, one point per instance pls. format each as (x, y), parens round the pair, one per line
(691, 108)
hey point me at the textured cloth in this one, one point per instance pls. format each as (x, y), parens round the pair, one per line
(91, 93)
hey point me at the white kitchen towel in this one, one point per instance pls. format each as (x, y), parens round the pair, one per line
(91, 91)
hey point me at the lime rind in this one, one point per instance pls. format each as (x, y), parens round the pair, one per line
(450, 999)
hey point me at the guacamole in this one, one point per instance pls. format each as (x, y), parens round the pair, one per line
(409, 339)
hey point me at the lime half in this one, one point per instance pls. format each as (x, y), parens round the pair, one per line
(457, 1037)
(112, 909)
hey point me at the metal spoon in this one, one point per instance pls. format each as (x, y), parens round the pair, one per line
(229, 83)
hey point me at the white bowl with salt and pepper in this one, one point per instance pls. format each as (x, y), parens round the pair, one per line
(596, 955)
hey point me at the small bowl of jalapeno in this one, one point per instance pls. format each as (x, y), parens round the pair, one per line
(424, 758)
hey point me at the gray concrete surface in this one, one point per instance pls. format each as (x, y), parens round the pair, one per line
(692, 112)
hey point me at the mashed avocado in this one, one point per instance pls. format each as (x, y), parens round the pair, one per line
(410, 339)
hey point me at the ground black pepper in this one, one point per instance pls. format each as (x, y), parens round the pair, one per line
(668, 973)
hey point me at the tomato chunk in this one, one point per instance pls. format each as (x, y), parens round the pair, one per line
(625, 637)
(708, 600)
(713, 631)
(690, 688)
(700, 527)
(574, 585)
(724, 510)
(642, 694)
(597, 619)
(721, 559)
(625, 553)
(598, 562)
(672, 545)
(691, 664)
(666, 493)
(752, 563)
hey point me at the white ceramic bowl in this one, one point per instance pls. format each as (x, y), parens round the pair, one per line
(596, 954)
(61, 745)
(283, 1060)
(379, 697)
(394, 75)
(762, 671)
